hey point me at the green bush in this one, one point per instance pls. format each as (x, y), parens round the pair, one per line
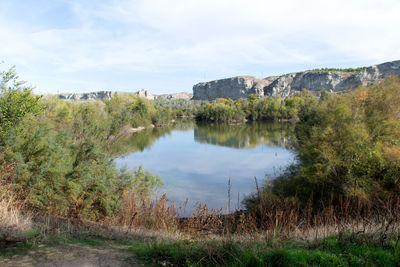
(16, 101)
(64, 166)
(349, 145)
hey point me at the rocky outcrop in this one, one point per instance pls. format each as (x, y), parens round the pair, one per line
(102, 95)
(233, 88)
(182, 95)
(145, 93)
(288, 84)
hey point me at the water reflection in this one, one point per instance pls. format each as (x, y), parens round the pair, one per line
(245, 136)
(126, 144)
(195, 161)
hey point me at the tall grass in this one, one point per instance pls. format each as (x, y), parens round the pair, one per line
(12, 221)
(270, 219)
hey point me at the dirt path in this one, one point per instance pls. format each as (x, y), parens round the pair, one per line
(72, 255)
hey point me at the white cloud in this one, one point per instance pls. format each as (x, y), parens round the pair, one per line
(217, 37)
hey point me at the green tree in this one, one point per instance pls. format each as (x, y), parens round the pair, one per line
(349, 145)
(16, 101)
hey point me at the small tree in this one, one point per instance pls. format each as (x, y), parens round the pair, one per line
(16, 101)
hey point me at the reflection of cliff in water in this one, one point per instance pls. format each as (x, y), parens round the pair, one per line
(247, 135)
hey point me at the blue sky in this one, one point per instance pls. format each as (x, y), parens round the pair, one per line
(170, 45)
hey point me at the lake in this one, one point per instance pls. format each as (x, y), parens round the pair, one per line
(197, 160)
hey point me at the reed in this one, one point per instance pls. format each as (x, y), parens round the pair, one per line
(272, 218)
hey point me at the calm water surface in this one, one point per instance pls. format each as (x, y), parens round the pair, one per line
(195, 161)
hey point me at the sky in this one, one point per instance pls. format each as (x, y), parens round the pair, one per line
(167, 46)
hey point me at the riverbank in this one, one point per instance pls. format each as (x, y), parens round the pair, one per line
(92, 249)
(335, 236)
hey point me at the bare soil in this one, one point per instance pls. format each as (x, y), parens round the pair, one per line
(71, 255)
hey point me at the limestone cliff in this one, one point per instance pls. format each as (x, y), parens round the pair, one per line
(234, 88)
(288, 84)
(145, 93)
(87, 96)
(103, 95)
(183, 95)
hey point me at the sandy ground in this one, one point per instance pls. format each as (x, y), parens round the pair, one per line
(72, 255)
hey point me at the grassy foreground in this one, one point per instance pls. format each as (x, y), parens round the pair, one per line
(333, 251)
(344, 250)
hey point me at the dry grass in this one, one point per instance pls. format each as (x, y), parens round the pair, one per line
(271, 219)
(12, 221)
(289, 221)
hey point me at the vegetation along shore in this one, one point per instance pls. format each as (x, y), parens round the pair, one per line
(338, 204)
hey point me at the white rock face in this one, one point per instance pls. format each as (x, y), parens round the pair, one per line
(182, 95)
(87, 96)
(288, 84)
(145, 93)
(233, 88)
(104, 95)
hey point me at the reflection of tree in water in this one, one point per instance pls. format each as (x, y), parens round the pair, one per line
(247, 135)
(144, 139)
